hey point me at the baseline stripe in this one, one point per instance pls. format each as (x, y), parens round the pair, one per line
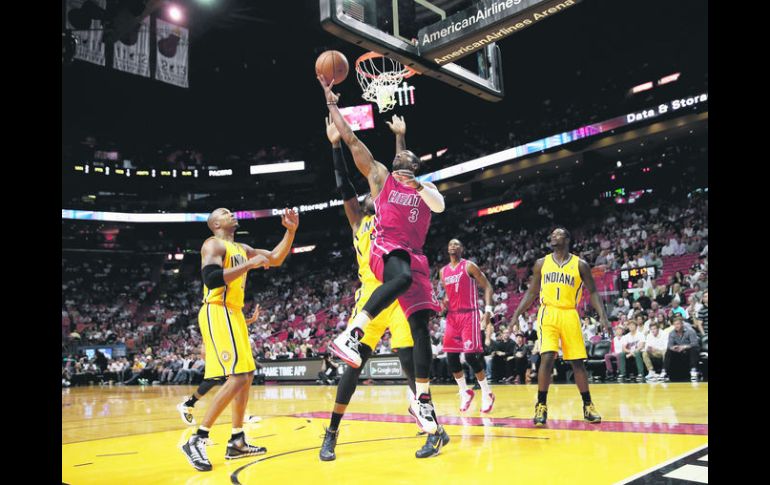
(574, 425)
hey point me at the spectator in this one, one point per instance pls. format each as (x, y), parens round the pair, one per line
(632, 343)
(616, 353)
(520, 359)
(701, 322)
(502, 367)
(683, 348)
(654, 347)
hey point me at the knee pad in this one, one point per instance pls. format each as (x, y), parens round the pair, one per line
(453, 362)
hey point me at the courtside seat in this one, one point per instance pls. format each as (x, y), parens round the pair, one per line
(595, 362)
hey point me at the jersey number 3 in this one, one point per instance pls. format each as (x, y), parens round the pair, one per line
(413, 214)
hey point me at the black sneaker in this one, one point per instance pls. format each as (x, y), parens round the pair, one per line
(195, 451)
(590, 414)
(327, 448)
(541, 415)
(239, 448)
(433, 444)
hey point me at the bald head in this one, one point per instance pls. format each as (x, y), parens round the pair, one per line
(406, 160)
(455, 248)
(221, 219)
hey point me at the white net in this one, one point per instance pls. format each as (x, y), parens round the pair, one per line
(379, 78)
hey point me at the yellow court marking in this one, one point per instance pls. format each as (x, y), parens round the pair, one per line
(131, 435)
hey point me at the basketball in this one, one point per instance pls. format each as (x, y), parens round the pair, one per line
(332, 65)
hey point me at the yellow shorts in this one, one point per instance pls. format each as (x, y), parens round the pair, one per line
(392, 317)
(226, 341)
(555, 324)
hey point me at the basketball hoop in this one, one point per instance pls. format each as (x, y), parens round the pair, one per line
(379, 77)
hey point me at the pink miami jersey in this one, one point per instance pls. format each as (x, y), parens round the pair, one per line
(402, 218)
(401, 223)
(463, 319)
(460, 288)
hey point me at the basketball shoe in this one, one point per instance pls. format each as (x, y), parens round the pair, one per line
(195, 451)
(185, 412)
(345, 346)
(466, 397)
(424, 413)
(541, 415)
(433, 444)
(240, 448)
(487, 401)
(327, 448)
(590, 414)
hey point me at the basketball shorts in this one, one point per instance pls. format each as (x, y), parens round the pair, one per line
(556, 325)
(463, 332)
(420, 295)
(226, 341)
(392, 317)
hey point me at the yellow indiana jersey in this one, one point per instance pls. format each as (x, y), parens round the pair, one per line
(362, 242)
(232, 293)
(560, 285)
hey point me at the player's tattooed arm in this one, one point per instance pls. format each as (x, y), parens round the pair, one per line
(212, 259)
(398, 127)
(596, 301)
(289, 220)
(475, 272)
(374, 171)
(532, 291)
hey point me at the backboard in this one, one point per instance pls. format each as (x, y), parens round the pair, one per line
(390, 27)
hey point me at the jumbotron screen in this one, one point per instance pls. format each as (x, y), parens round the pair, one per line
(359, 117)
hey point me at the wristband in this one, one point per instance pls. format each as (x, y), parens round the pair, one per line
(329, 104)
(488, 309)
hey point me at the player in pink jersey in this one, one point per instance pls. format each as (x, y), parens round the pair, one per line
(463, 327)
(403, 212)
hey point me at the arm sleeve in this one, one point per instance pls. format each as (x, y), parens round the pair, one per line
(213, 276)
(432, 198)
(344, 185)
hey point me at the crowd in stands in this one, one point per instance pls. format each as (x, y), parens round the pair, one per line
(113, 301)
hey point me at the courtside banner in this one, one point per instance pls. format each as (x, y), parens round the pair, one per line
(486, 22)
(172, 43)
(132, 52)
(84, 18)
(290, 370)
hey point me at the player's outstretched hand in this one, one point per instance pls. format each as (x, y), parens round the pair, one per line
(259, 261)
(254, 316)
(397, 125)
(331, 98)
(290, 220)
(406, 177)
(331, 131)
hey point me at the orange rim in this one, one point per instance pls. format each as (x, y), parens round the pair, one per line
(372, 55)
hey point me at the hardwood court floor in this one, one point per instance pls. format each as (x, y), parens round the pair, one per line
(132, 434)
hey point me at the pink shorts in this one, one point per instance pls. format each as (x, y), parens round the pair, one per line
(420, 295)
(463, 333)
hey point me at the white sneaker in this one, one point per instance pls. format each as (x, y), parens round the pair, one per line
(487, 401)
(650, 376)
(251, 419)
(694, 375)
(663, 377)
(186, 413)
(422, 411)
(466, 397)
(345, 346)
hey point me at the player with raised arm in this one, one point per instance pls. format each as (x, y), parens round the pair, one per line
(403, 209)
(558, 279)
(463, 330)
(224, 266)
(361, 220)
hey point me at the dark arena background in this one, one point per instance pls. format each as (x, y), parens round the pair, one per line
(527, 115)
